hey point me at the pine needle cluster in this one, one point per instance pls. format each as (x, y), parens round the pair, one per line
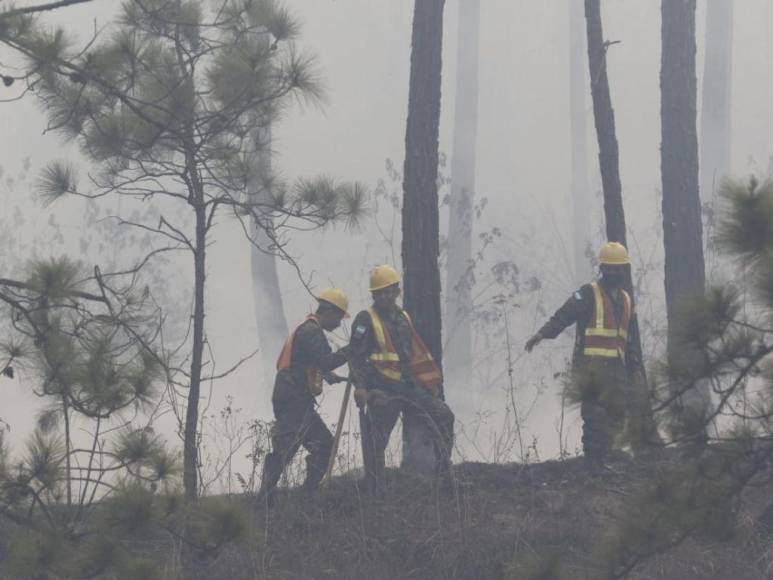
(94, 476)
(723, 339)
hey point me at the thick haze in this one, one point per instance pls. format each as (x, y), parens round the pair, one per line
(363, 49)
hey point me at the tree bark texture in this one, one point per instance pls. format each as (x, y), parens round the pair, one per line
(420, 219)
(716, 94)
(682, 226)
(581, 196)
(420, 248)
(459, 281)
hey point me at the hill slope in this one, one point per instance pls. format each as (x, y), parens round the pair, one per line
(539, 521)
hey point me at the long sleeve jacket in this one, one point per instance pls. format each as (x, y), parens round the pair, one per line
(311, 350)
(363, 343)
(578, 310)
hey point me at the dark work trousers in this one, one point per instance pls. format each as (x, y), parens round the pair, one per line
(384, 408)
(606, 405)
(297, 424)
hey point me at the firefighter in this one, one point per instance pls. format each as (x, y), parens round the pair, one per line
(607, 359)
(395, 373)
(305, 361)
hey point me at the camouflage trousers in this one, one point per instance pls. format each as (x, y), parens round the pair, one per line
(383, 409)
(297, 425)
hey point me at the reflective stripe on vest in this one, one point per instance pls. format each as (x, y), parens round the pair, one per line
(607, 337)
(387, 361)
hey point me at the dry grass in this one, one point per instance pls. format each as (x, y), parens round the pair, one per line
(540, 521)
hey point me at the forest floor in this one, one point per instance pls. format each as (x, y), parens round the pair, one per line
(543, 521)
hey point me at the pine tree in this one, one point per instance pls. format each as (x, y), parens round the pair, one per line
(421, 230)
(171, 105)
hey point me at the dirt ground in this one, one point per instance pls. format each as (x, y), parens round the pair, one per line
(534, 522)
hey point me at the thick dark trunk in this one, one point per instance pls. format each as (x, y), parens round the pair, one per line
(682, 227)
(190, 444)
(716, 91)
(581, 196)
(459, 281)
(420, 205)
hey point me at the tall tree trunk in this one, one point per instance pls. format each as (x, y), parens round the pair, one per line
(269, 307)
(716, 91)
(581, 196)
(604, 116)
(190, 443)
(682, 227)
(199, 249)
(459, 281)
(420, 206)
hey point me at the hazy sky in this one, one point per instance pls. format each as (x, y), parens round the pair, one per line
(363, 49)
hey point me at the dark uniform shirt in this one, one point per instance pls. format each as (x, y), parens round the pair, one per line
(578, 310)
(311, 350)
(363, 343)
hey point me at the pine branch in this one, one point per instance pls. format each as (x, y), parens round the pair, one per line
(74, 293)
(40, 8)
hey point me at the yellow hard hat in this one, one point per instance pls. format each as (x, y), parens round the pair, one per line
(614, 254)
(382, 277)
(337, 298)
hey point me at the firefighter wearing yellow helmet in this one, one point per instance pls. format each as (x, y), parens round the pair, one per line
(607, 359)
(305, 362)
(395, 373)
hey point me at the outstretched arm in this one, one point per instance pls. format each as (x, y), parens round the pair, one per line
(576, 307)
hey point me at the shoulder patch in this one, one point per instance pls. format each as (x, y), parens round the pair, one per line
(577, 295)
(359, 330)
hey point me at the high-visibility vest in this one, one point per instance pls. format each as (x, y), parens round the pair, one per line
(313, 376)
(605, 336)
(387, 361)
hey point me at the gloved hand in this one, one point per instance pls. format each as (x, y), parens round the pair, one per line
(533, 341)
(361, 397)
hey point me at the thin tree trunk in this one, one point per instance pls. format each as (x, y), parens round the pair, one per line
(716, 91)
(682, 227)
(190, 444)
(420, 206)
(459, 279)
(269, 307)
(604, 116)
(581, 196)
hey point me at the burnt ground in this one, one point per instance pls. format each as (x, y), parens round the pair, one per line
(541, 521)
